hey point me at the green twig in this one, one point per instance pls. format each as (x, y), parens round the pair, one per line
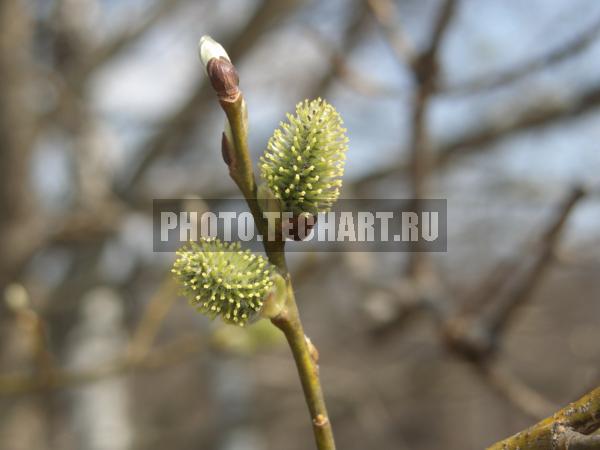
(237, 156)
(306, 358)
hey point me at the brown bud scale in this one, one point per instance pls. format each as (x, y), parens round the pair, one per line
(224, 78)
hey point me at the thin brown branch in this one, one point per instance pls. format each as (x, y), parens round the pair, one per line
(341, 68)
(425, 71)
(117, 44)
(499, 278)
(32, 325)
(472, 337)
(566, 50)
(539, 114)
(441, 25)
(78, 60)
(405, 308)
(351, 37)
(410, 298)
(474, 333)
(482, 138)
(386, 14)
(516, 392)
(154, 315)
(138, 355)
(480, 296)
(177, 128)
(18, 222)
(163, 356)
(519, 288)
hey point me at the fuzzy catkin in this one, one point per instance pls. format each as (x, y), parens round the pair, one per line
(221, 279)
(304, 161)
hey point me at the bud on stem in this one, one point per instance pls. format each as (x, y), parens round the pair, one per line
(221, 72)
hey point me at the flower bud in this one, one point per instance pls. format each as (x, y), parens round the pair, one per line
(221, 72)
(221, 279)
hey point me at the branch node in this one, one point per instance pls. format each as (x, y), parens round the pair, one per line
(321, 421)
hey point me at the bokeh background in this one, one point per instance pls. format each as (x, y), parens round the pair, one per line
(104, 106)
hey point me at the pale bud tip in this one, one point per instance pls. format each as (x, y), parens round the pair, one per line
(208, 49)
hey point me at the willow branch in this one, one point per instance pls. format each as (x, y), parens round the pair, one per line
(165, 355)
(306, 358)
(18, 225)
(425, 72)
(557, 431)
(568, 49)
(106, 52)
(386, 14)
(519, 289)
(178, 126)
(511, 388)
(350, 39)
(340, 68)
(154, 314)
(572, 440)
(482, 137)
(138, 355)
(236, 155)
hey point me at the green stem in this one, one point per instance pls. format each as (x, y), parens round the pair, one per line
(242, 173)
(306, 361)
(288, 321)
(241, 167)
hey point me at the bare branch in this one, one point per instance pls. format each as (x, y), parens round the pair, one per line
(425, 294)
(351, 37)
(425, 71)
(178, 127)
(582, 416)
(112, 48)
(342, 69)
(386, 13)
(443, 20)
(154, 315)
(163, 356)
(518, 290)
(474, 333)
(516, 392)
(569, 49)
(572, 440)
(540, 114)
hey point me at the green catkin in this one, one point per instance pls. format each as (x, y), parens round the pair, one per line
(221, 279)
(304, 161)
